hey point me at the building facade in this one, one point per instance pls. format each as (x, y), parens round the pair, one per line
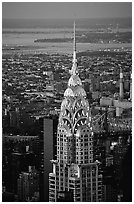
(74, 170)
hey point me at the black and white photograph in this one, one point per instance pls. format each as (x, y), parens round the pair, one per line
(66, 101)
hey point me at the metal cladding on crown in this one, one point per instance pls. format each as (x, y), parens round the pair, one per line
(74, 87)
(71, 92)
(74, 81)
(75, 107)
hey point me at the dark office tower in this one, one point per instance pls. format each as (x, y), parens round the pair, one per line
(48, 154)
(131, 87)
(74, 170)
(39, 129)
(47, 130)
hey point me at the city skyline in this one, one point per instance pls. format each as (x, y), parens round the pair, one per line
(66, 10)
(66, 118)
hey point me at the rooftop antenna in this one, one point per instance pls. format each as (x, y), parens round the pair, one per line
(74, 71)
(74, 46)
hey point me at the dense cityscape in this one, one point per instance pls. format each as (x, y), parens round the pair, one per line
(67, 122)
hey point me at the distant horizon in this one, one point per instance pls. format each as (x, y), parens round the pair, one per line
(66, 23)
(123, 17)
(66, 10)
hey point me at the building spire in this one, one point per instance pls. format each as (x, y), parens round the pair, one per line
(74, 71)
(74, 39)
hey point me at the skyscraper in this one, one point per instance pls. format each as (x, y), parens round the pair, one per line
(131, 87)
(74, 170)
(48, 153)
(47, 129)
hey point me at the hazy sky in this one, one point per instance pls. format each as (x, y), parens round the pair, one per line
(66, 9)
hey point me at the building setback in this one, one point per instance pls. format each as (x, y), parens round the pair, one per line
(74, 170)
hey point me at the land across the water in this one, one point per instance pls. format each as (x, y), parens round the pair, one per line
(65, 48)
(93, 37)
(57, 37)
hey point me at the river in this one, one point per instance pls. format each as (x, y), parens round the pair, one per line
(22, 40)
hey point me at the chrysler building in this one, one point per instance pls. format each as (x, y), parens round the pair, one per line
(75, 171)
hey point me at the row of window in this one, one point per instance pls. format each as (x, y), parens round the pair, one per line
(76, 144)
(82, 160)
(78, 161)
(80, 137)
